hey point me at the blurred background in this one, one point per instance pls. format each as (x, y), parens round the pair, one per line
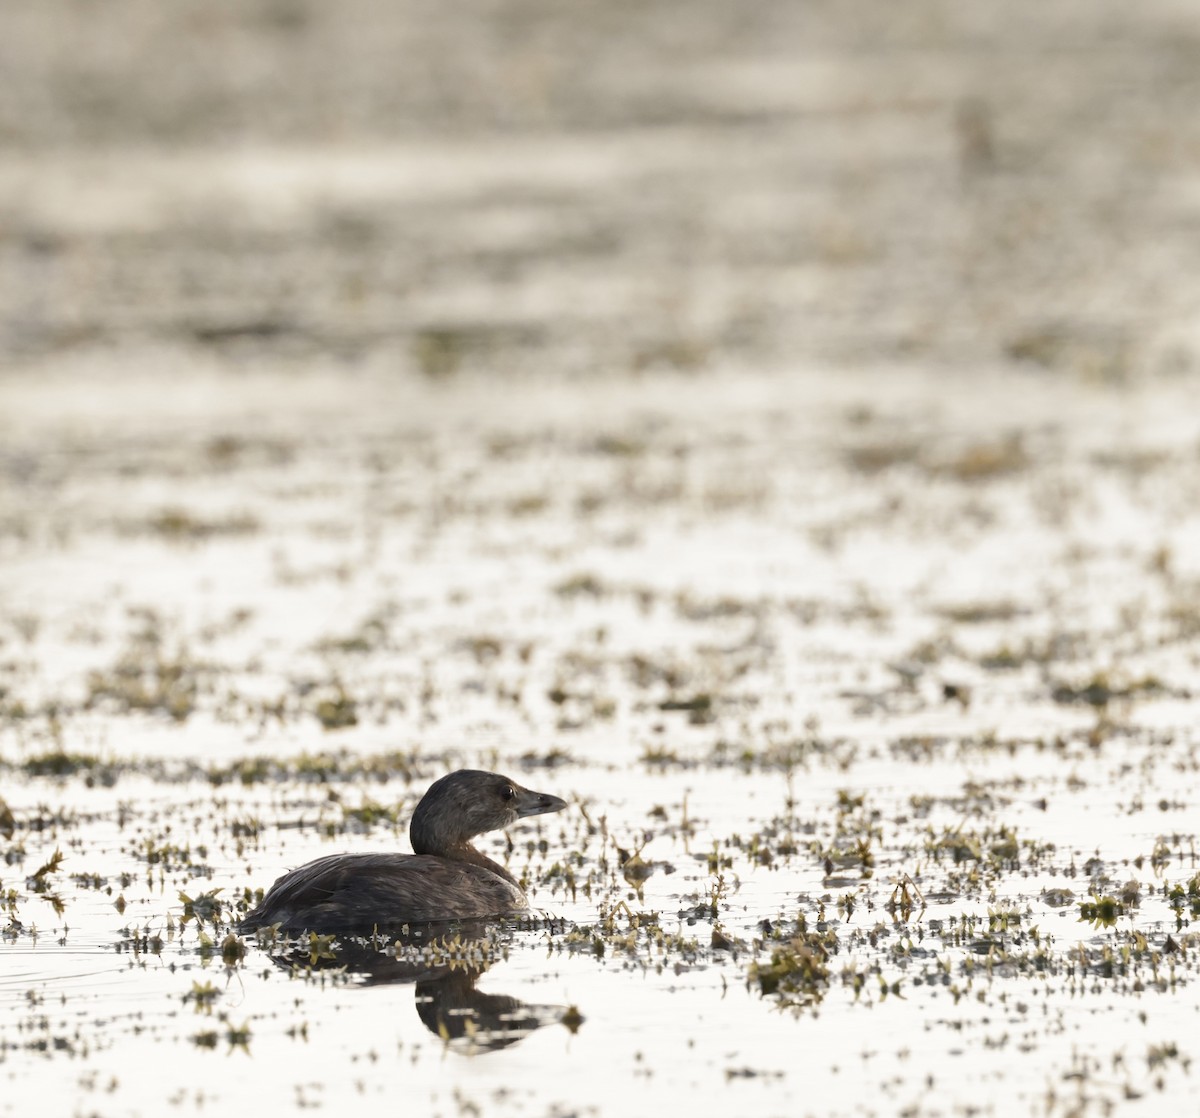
(570, 189)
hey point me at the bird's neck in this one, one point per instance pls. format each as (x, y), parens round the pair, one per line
(465, 852)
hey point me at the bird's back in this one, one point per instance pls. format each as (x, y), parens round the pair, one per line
(357, 893)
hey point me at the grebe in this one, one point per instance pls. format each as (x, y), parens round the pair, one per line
(445, 879)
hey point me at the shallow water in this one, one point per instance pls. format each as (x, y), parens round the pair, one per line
(902, 727)
(772, 430)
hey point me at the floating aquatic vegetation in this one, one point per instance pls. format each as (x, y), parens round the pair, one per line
(204, 908)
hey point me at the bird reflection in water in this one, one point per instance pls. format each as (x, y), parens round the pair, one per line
(443, 962)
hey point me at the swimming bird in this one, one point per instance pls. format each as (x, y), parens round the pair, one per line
(446, 878)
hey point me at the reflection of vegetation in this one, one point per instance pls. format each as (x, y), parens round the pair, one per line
(1101, 911)
(236, 1036)
(204, 908)
(202, 996)
(169, 855)
(1183, 897)
(40, 884)
(905, 898)
(998, 847)
(796, 971)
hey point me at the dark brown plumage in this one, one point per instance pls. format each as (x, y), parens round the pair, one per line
(446, 879)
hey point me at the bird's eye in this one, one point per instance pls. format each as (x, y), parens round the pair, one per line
(507, 793)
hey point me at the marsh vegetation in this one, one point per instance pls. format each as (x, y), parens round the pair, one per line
(775, 432)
